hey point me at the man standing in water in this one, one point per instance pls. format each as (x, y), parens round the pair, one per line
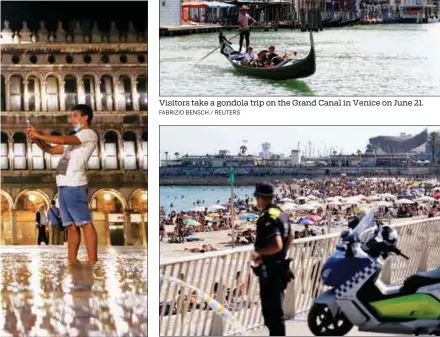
(76, 149)
(243, 26)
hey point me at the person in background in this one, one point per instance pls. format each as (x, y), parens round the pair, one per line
(41, 222)
(53, 214)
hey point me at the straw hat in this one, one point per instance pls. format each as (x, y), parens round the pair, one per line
(244, 8)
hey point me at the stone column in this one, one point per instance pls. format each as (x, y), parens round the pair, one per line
(134, 93)
(81, 92)
(29, 154)
(127, 228)
(98, 96)
(116, 93)
(26, 95)
(11, 153)
(14, 226)
(120, 151)
(62, 96)
(44, 96)
(7, 95)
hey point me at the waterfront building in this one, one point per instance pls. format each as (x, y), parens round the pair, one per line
(44, 74)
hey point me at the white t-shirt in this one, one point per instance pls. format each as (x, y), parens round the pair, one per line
(73, 164)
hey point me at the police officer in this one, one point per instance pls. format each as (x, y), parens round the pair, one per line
(271, 266)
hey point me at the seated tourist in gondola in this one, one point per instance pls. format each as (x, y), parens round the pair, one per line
(272, 58)
(249, 57)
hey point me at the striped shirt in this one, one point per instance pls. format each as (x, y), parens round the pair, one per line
(243, 21)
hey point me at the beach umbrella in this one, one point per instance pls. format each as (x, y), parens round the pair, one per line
(287, 200)
(425, 199)
(199, 209)
(312, 197)
(213, 214)
(241, 207)
(308, 207)
(214, 208)
(343, 175)
(373, 198)
(436, 195)
(384, 203)
(388, 196)
(404, 202)
(436, 189)
(190, 222)
(289, 207)
(248, 216)
(351, 184)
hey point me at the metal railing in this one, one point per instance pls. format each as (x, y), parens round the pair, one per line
(227, 277)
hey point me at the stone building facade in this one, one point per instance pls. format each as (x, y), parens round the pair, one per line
(43, 75)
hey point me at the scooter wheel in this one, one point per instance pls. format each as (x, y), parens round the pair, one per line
(321, 322)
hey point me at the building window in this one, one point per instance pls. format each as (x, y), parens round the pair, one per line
(51, 59)
(107, 93)
(87, 59)
(19, 149)
(16, 90)
(125, 93)
(104, 59)
(3, 97)
(141, 58)
(141, 87)
(54, 158)
(130, 161)
(89, 91)
(123, 58)
(4, 147)
(111, 151)
(52, 93)
(145, 150)
(69, 59)
(34, 93)
(33, 59)
(15, 59)
(70, 91)
(37, 158)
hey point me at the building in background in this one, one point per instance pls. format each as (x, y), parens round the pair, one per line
(45, 72)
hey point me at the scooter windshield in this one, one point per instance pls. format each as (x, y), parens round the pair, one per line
(364, 231)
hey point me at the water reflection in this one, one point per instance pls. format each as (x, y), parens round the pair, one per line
(41, 295)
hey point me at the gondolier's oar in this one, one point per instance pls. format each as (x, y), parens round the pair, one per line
(204, 57)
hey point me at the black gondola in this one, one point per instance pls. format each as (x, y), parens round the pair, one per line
(332, 23)
(349, 22)
(286, 70)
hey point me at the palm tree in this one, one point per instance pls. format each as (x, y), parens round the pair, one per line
(433, 138)
(359, 153)
(243, 149)
(177, 154)
(335, 152)
(369, 148)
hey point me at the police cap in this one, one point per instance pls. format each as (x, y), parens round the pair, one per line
(264, 190)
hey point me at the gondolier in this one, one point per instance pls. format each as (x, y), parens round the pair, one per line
(243, 26)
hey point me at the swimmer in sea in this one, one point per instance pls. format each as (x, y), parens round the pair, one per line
(171, 205)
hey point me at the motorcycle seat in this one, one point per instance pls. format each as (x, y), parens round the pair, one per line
(421, 279)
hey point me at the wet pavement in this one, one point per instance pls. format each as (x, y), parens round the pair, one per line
(41, 295)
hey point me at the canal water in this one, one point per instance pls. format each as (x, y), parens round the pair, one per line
(373, 60)
(184, 198)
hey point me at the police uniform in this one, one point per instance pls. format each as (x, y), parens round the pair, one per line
(274, 273)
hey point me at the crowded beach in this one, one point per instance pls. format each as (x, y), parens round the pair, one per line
(315, 207)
